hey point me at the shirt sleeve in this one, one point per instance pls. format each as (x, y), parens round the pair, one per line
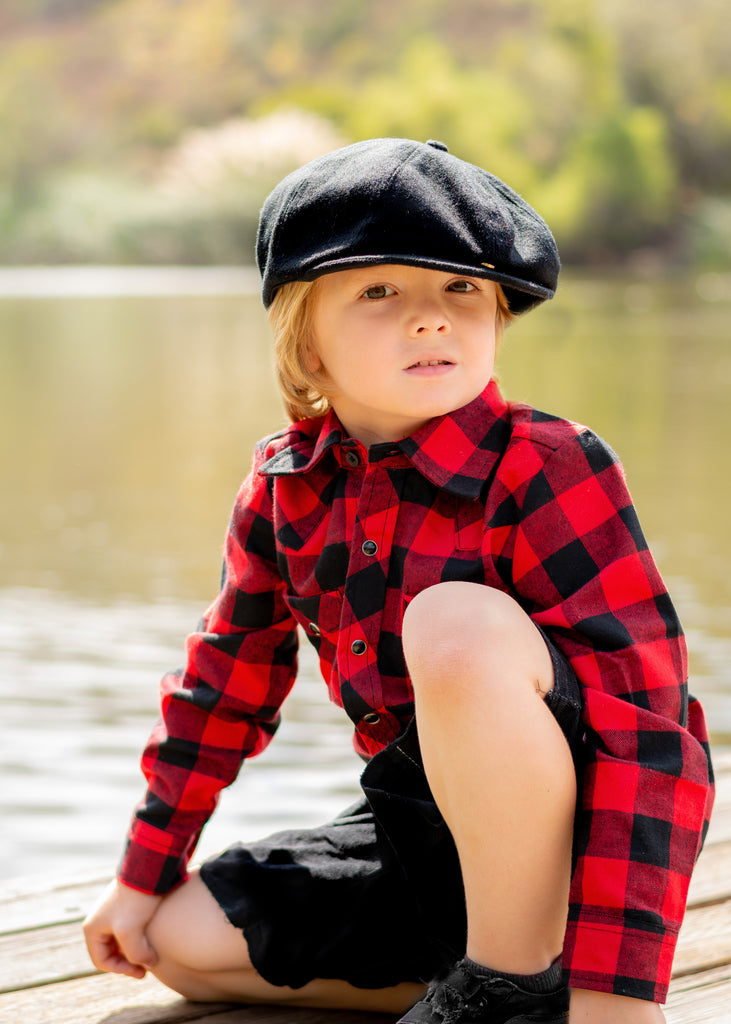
(582, 567)
(224, 705)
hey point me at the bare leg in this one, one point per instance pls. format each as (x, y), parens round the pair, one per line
(204, 958)
(499, 767)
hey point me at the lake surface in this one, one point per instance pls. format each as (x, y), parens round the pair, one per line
(128, 414)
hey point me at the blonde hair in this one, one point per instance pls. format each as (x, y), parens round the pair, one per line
(304, 391)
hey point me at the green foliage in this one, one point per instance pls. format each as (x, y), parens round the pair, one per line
(90, 219)
(30, 140)
(616, 188)
(710, 234)
(604, 179)
(613, 118)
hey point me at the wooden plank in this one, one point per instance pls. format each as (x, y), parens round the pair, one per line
(705, 939)
(711, 880)
(692, 982)
(111, 998)
(43, 955)
(115, 1000)
(721, 759)
(701, 997)
(108, 997)
(720, 828)
(41, 944)
(66, 900)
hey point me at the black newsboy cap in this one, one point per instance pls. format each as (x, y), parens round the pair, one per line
(398, 201)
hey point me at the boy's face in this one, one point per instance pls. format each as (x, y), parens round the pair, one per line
(401, 345)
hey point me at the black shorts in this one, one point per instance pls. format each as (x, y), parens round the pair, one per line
(374, 897)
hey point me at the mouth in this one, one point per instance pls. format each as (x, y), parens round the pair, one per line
(429, 362)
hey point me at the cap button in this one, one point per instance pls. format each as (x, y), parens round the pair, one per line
(437, 145)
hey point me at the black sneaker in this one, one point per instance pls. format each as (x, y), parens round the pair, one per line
(465, 997)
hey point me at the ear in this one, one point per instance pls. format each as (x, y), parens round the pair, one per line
(311, 358)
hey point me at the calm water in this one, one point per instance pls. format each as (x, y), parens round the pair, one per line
(126, 424)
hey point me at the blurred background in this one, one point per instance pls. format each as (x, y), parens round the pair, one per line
(150, 132)
(137, 141)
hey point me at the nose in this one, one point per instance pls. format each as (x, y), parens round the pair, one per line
(428, 318)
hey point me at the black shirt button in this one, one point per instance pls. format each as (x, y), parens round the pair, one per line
(371, 718)
(314, 629)
(359, 647)
(352, 459)
(369, 547)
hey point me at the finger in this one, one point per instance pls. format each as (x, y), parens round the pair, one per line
(106, 955)
(119, 964)
(136, 949)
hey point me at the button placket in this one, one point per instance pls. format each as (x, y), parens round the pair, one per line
(375, 513)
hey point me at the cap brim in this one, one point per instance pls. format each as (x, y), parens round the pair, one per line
(522, 295)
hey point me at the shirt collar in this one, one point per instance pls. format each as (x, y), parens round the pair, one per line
(457, 451)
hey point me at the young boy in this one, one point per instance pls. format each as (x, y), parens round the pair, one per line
(464, 566)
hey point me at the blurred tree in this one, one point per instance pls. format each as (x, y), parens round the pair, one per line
(613, 117)
(428, 95)
(173, 64)
(33, 117)
(615, 191)
(603, 177)
(677, 57)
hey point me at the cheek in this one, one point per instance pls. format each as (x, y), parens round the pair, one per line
(344, 364)
(490, 345)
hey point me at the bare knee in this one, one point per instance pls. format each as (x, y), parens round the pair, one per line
(194, 942)
(450, 621)
(457, 607)
(467, 631)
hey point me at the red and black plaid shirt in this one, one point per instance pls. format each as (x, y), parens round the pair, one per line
(337, 540)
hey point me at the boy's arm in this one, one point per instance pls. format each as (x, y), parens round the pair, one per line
(223, 707)
(582, 568)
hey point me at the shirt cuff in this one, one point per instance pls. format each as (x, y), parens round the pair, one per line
(611, 954)
(154, 861)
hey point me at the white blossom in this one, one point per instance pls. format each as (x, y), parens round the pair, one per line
(247, 149)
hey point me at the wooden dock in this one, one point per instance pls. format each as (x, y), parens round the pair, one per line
(46, 978)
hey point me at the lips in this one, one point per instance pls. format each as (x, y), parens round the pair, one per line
(430, 362)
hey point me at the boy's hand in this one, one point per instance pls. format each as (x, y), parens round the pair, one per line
(588, 1007)
(115, 931)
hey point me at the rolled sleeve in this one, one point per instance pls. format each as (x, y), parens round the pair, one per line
(583, 566)
(223, 707)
